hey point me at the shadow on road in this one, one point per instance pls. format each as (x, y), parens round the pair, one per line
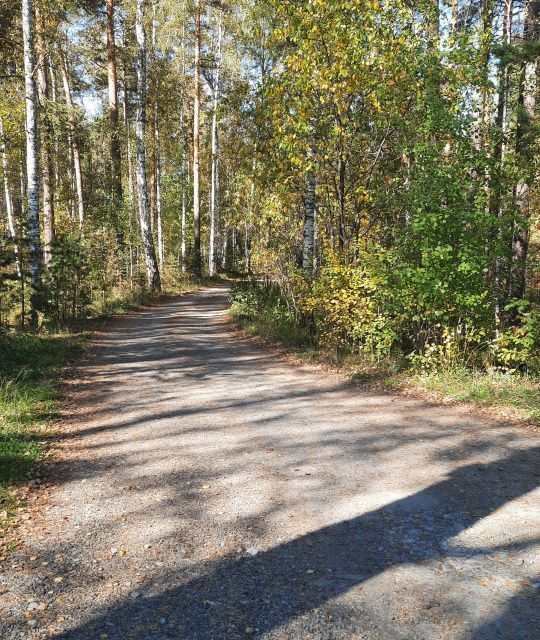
(255, 595)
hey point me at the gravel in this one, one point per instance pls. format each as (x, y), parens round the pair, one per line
(209, 489)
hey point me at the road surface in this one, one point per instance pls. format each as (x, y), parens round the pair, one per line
(208, 489)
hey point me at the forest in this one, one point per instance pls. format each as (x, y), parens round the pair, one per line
(375, 162)
(366, 172)
(269, 319)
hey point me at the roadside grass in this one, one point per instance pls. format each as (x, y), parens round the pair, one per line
(268, 318)
(31, 368)
(506, 396)
(30, 394)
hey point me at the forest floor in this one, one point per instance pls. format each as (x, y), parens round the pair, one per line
(206, 488)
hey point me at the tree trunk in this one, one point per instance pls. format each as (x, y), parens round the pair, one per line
(152, 269)
(251, 204)
(32, 161)
(308, 253)
(131, 199)
(72, 123)
(524, 140)
(197, 258)
(56, 141)
(499, 156)
(46, 142)
(157, 151)
(115, 151)
(184, 138)
(214, 189)
(9, 201)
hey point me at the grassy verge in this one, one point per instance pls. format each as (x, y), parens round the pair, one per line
(504, 396)
(31, 391)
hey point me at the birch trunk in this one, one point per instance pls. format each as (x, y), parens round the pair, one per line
(47, 136)
(115, 151)
(308, 253)
(499, 154)
(131, 199)
(32, 152)
(152, 269)
(214, 189)
(9, 201)
(183, 136)
(72, 123)
(528, 100)
(197, 258)
(157, 151)
(250, 211)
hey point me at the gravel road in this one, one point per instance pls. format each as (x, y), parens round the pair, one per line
(208, 489)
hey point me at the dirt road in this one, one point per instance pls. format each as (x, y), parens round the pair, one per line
(210, 490)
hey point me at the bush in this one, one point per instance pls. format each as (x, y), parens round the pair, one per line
(262, 309)
(518, 348)
(342, 301)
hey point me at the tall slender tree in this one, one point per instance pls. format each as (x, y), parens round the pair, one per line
(115, 150)
(147, 241)
(527, 118)
(197, 257)
(215, 87)
(74, 143)
(184, 159)
(32, 157)
(47, 137)
(157, 143)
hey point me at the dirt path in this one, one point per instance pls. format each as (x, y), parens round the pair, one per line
(214, 491)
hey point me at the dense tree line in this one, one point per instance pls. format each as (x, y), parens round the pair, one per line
(375, 160)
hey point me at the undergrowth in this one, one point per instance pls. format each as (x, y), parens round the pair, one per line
(31, 366)
(263, 311)
(30, 392)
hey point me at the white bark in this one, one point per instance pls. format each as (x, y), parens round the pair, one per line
(45, 143)
(196, 133)
(152, 269)
(214, 188)
(32, 151)
(157, 151)
(9, 200)
(308, 253)
(250, 211)
(76, 151)
(131, 198)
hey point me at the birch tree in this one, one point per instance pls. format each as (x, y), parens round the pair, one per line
(112, 83)
(215, 86)
(308, 250)
(46, 142)
(10, 211)
(197, 257)
(147, 241)
(157, 145)
(75, 148)
(32, 157)
(528, 96)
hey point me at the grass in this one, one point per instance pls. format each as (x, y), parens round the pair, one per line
(267, 317)
(30, 395)
(507, 396)
(31, 368)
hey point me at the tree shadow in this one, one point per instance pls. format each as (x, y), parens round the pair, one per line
(519, 620)
(240, 594)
